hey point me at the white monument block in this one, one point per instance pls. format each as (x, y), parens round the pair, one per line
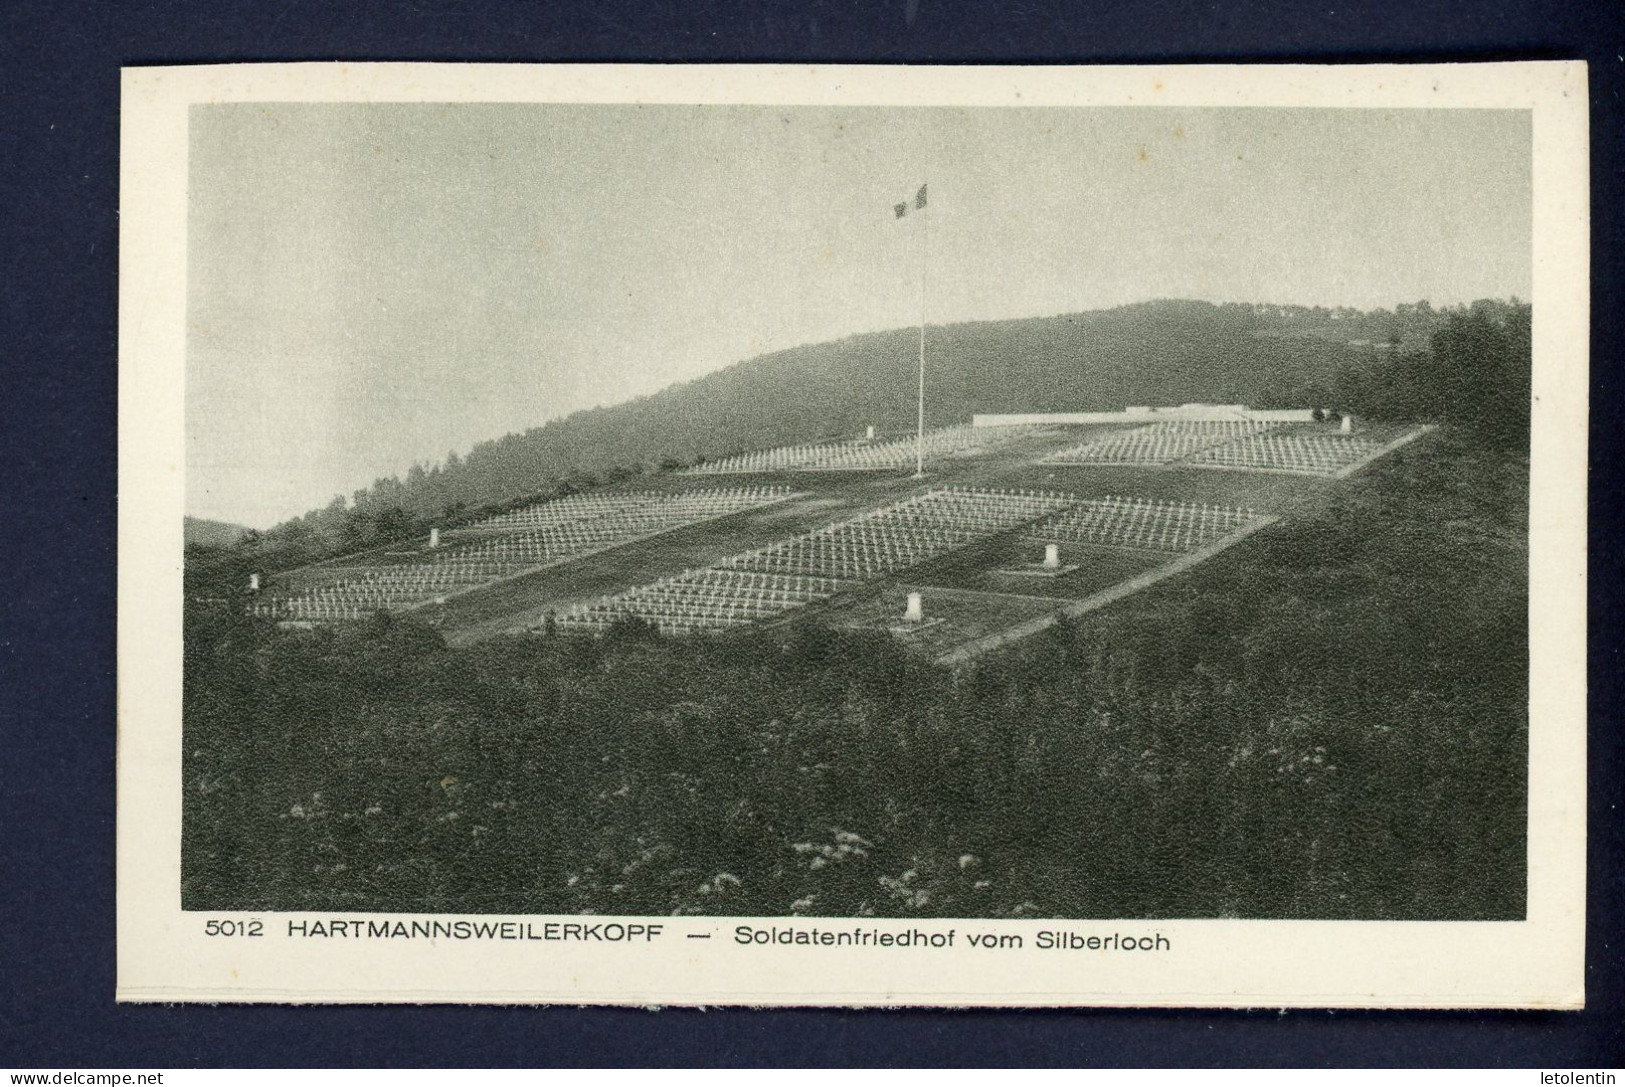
(870, 436)
(1052, 557)
(916, 609)
(253, 583)
(434, 537)
(1348, 425)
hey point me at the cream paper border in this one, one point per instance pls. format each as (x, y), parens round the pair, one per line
(162, 952)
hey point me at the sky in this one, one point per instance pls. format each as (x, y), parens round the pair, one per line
(376, 285)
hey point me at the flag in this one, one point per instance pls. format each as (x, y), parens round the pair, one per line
(900, 210)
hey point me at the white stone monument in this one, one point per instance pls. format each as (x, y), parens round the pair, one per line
(1052, 557)
(870, 436)
(253, 583)
(1347, 426)
(916, 609)
(434, 537)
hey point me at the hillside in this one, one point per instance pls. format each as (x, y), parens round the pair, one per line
(1151, 353)
(1325, 720)
(1154, 354)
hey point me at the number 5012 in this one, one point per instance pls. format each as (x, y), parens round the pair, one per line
(228, 927)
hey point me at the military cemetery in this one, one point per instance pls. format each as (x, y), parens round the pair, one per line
(854, 558)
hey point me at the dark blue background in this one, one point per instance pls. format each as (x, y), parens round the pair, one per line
(59, 87)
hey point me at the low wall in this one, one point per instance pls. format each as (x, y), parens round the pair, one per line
(1283, 415)
(1060, 418)
(1201, 412)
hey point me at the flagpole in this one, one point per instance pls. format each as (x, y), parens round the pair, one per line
(919, 431)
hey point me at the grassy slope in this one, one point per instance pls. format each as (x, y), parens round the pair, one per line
(1327, 721)
(1385, 631)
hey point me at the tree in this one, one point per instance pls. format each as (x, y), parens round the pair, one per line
(1481, 371)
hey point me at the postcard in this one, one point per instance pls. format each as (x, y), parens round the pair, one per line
(853, 536)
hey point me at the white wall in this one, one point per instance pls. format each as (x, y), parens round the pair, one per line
(1205, 412)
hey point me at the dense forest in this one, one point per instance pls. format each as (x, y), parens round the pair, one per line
(1382, 364)
(1327, 722)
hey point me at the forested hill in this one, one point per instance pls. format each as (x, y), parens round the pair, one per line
(1379, 363)
(1151, 353)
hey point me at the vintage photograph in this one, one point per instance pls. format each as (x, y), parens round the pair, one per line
(1090, 513)
(853, 536)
